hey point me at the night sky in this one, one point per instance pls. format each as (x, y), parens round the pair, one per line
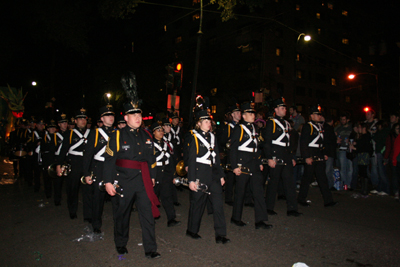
(70, 49)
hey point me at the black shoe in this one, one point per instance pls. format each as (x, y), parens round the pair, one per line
(192, 235)
(303, 203)
(294, 213)
(263, 225)
(173, 222)
(229, 203)
(281, 197)
(334, 203)
(249, 204)
(222, 239)
(271, 212)
(73, 216)
(87, 220)
(57, 203)
(122, 250)
(238, 223)
(96, 231)
(152, 255)
(177, 204)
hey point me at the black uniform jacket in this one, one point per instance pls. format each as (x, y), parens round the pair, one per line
(129, 144)
(273, 131)
(308, 134)
(204, 172)
(70, 139)
(95, 143)
(165, 170)
(247, 159)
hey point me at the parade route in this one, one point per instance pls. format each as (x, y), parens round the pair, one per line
(356, 232)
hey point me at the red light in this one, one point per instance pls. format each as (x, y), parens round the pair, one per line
(145, 118)
(351, 76)
(17, 114)
(178, 67)
(150, 117)
(252, 93)
(366, 109)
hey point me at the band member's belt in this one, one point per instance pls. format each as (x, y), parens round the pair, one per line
(140, 165)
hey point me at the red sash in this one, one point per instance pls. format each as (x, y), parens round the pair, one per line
(141, 165)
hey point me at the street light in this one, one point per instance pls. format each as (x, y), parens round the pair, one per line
(378, 103)
(306, 38)
(34, 83)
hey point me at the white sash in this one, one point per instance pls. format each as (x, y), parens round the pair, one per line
(59, 147)
(83, 138)
(204, 159)
(176, 134)
(98, 155)
(244, 146)
(285, 132)
(320, 135)
(164, 151)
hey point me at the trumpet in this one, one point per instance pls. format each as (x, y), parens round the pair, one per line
(92, 177)
(117, 187)
(184, 181)
(180, 168)
(65, 170)
(243, 169)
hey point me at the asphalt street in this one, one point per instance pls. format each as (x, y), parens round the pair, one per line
(357, 232)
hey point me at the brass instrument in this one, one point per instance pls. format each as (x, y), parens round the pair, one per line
(184, 181)
(117, 187)
(52, 170)
(180, 169)
(243, 169)
(92, 177)
(20, 151)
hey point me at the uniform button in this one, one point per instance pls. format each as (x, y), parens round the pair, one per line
(138, 144)
(117, 174)
(140, 170)
(140, 153)
(162, 170)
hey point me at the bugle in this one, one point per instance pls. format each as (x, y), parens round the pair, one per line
(184, 181)
(117, 187)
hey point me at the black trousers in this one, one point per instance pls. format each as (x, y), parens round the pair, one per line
(229, 185)
(37, 171)
(163, 191)
(73, 183)
(47, 181)
(28, 169)
(284, 174)
(134, 191)
(198, 201)
(57, 184)
(255, 183)
(317, 168)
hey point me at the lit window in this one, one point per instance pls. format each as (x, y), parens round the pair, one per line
(278, 70)
(344, 13)
(196, 16)
(371, 65)
(345, 41)
(298, 74)
(178, 40)
(330, 5)
(333, 81)
(214, 109)
(319, 31)
(278, 52)
(347, 99)
(297, 57)
(323, 4)
(359, 59)
(297, 7)
(318, 15)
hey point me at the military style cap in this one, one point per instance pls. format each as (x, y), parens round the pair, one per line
(234, 108)
(106, 111)
(121, 119)
(24, 122)
(99, 120)
(202, 115)
(166, 122)
(62, 118)
(156, 125)
(248, 107)
(51, 124)
(280, 102)
(40, 121)
(129, 108)
(81, 113)
(175, 116)
(72, 121)
(315, 110)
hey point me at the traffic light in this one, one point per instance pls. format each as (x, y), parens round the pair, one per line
(178, 73)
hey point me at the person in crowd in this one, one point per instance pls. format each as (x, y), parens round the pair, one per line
(364, 149)
(330, 147)
(343, 133)
(390, 142)
(380, 142)
(296, 117)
